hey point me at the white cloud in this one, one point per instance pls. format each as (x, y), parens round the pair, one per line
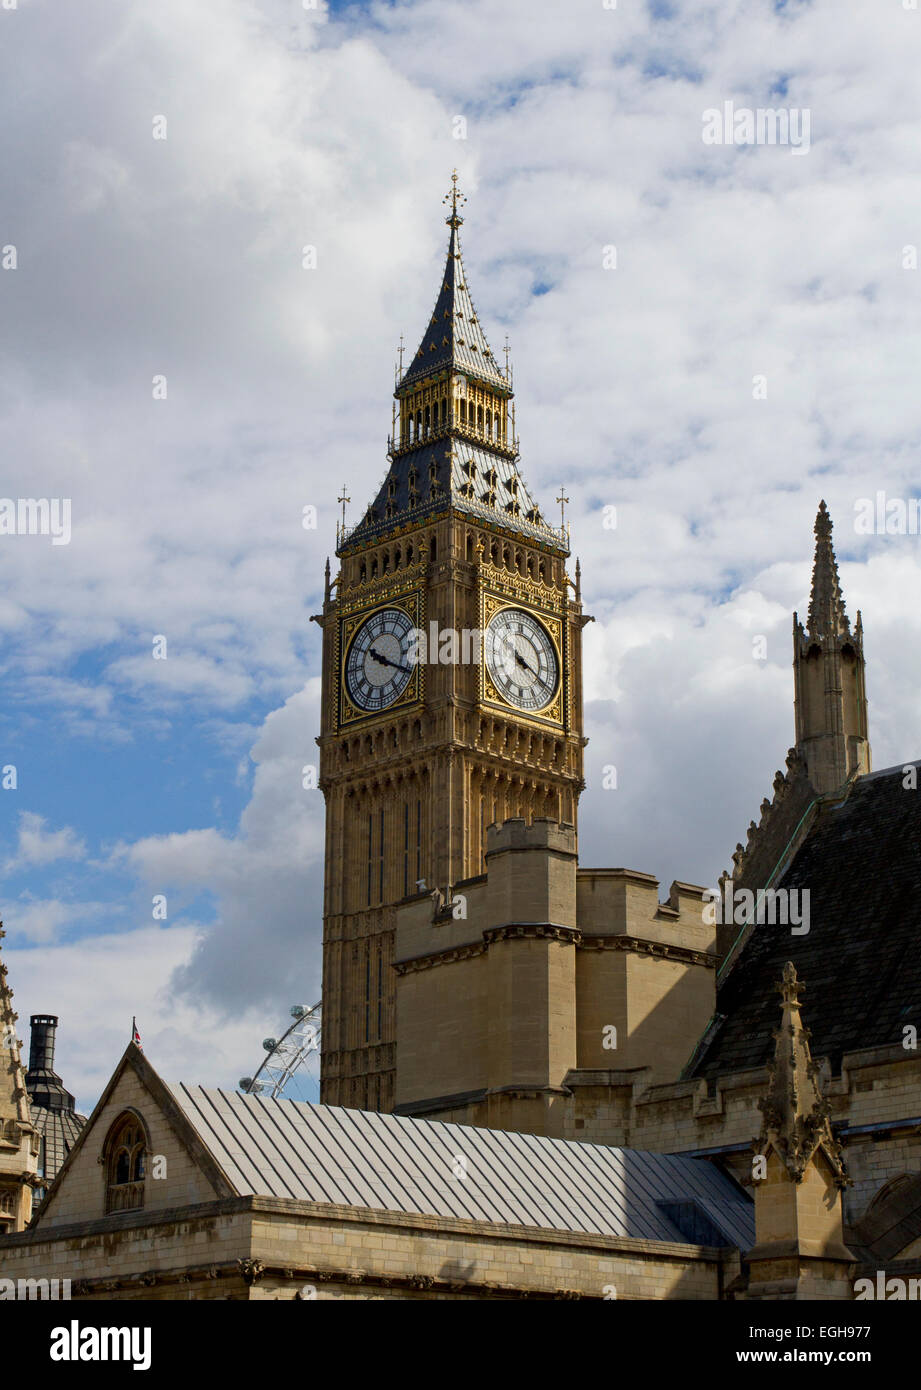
(37, 846)
(183, 257)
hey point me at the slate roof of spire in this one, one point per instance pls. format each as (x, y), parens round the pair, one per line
(454, 342)
(454, 339)
(861, 958)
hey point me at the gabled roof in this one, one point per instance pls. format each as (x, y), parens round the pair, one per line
(861, 958)
(328, 1154)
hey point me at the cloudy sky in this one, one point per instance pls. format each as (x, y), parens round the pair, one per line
(169, 364)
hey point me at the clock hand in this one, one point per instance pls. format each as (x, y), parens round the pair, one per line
(521, 662)
(518, 657)
(386, 661)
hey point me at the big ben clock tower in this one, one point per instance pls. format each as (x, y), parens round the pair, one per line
(425, 743)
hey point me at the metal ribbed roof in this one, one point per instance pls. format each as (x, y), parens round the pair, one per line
(325, 1153)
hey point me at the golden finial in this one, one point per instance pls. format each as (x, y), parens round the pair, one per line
(563, 500)
(455, 196)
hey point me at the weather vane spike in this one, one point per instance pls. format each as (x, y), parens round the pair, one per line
(343, 499)
(455, 197)
(562, 499)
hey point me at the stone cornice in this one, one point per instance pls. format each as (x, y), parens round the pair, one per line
(249, 1273)
(453, 953)
(532, 931)
(292, 1209)
(641, 946)
(512, 931)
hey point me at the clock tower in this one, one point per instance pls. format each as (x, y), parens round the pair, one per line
(452, 676)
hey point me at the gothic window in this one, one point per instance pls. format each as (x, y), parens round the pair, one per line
(479, 418)
(489, 423)
(368, 992)
(7, 1202)
(370, 855)
(428, 420)
(125, 1155)
(418, 424)
(380, 857)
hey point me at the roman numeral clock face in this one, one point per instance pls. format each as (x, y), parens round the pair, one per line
(521, 659)
(377, 668)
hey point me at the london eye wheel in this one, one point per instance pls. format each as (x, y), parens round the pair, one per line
(290, 1069)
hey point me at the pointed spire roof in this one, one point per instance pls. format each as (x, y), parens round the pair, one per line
(454, 461)
(796, 1115)
(827, 617)
(14, 1099)
(454, 339)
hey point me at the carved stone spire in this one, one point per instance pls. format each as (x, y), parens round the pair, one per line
(14, 1099)
(795, 1113)
(19, 1141)
(826, 606)
(829, 671)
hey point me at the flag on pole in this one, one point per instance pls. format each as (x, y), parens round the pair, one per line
(135, 1035)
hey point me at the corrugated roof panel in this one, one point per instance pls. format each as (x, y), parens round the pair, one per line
(324, 1153)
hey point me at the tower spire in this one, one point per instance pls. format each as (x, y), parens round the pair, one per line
(795, 1113)
(829, 673)
(20, 1143)
(453, 443)
(826, 606)
(799, 1175)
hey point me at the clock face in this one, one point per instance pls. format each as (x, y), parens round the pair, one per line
(521, 659)
(377, 667)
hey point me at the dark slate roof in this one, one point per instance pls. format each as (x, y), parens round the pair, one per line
(325, 1153)
(454, 342)
(59, 1129)
(454, 339)
(861, 959)
(450, 454)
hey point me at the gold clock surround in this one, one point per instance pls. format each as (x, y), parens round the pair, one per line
(553, 711)
(350, 713)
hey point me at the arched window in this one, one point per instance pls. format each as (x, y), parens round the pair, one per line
(125, 1158)
(489, 423)
(479, 417)
(7, 1202)
(463, 412)
(444, 411)
(428, 421)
